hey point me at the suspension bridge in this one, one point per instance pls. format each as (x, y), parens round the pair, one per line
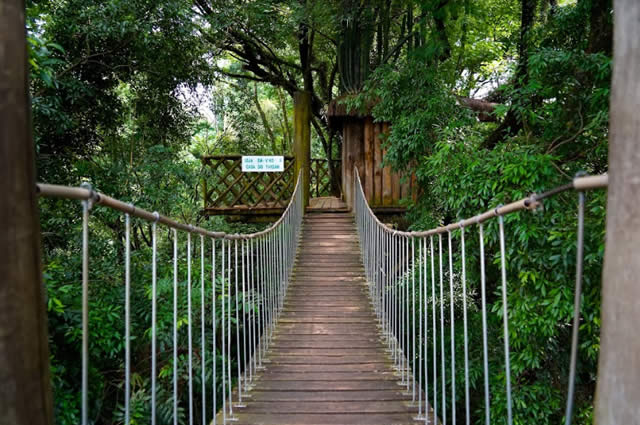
(327, 317)
(334, 324)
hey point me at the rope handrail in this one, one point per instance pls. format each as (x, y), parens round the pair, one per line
(398, 266)
(259, 273)
(583, 183)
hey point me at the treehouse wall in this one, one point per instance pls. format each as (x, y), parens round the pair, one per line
(362, 148)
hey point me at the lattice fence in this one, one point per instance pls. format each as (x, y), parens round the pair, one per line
(320, 177)
(227, 190)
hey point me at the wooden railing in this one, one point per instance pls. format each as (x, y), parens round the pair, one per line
(227, 190)
(321, 178)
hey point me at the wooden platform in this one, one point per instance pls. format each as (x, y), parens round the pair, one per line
(271, 211)
(327, 364)
(327, 204)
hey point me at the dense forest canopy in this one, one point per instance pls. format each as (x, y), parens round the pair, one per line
(488, 100)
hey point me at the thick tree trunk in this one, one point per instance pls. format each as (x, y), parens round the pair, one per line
(25, 387)
(618, 392)
(302, 140)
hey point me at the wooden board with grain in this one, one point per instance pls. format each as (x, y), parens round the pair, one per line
(377, 166)
(368, 159)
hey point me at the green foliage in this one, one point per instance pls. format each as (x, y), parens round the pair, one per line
(106, 315)
(83, 54)
(435, 114)
(563, 105)
(107, 84)
(118, 89)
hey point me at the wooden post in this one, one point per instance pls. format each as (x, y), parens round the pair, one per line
(25, 390)
(618, 388)
(302, 139)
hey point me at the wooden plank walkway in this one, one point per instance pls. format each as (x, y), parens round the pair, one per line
(327, 364)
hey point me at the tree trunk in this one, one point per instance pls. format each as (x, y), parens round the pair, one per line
(618, 389)
(302, 140)
(286, 130)
(265, 121)
(25, 386)
(305, 47)
(410, 27)
(444, 47)
(513, 123)
(386, 27)
(600, 27)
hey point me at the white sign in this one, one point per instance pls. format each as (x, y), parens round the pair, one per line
(261, 164)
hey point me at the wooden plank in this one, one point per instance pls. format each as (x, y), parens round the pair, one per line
(377, 166)
(344, 178)
(325, 419)
(318, 407)
(327, 395)
(395, 188)
(327, 385)
(387, 184)
(331, 351)
(336, 292)
(387, 197)
(369, 148)
(327, 292)
(405, 186)
(352, 155)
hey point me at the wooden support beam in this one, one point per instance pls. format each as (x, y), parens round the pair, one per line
(25, 389)
(618, 389)
(302, 140)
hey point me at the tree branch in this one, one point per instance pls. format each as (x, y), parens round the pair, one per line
(484, 108)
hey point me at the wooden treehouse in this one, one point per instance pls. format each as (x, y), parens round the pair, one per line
(384, 189)
(255, 196)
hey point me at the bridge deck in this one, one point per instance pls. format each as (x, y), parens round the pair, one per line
(328, 364)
